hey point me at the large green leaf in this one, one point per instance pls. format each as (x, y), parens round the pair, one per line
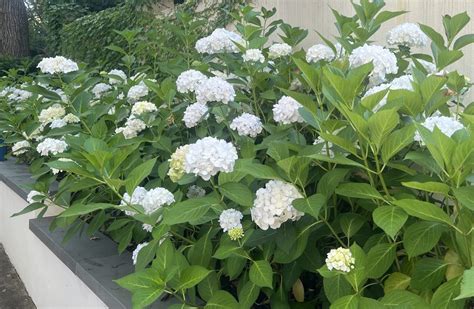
(400, 299)
(336, 287)
(443, 297)
(138, 174)
(396, 141)
(346, 302)
(311, 205)
(379, 259)
(191, 276)
(381, 124)
(351, 223)
(189, 210)
(238, 193)
(330, 180)
(396, 281)
(145, 286)
(428, 273)
(421, 237)
(358, 190)
(467, 284)
(423, 210)
(465, 195)
(390, 219)
(257, 170)
(429, 186)
(222, 300)
(248, 295)
(261, 274)
(82, 209)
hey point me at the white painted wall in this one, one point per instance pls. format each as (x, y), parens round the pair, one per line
(50, 283)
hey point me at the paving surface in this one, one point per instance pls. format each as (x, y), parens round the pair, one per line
(13, 294)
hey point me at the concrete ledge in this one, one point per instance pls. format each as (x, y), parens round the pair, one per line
(80, 271)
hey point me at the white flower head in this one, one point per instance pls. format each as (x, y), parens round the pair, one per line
(189, 80)
(58, 123)
(31, 196)
(100, 89)
(136, 199)
(319, 52)
(384, 61)
(447, 125)
(208, 156)
(215, 89)
(407, 34)
(177, 159)
(51, 146)
(155, 199)
(132, 127)
(113, 80)
(51, 113)
(286, 111)
(194, 114)
(340, 259)
(230, 219)
(71, 118)
(136, 251)
(20, 148)
(253, 55)
(220, 41)
(143, 107)
(137, 92)
(195, 191)
(57, 64)
(273, 205)
(247, 125)
(279, 50)
(19, 95)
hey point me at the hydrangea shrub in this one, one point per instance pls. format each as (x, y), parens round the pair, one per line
(263, 175)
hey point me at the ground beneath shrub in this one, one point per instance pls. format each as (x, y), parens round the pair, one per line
(13, 294)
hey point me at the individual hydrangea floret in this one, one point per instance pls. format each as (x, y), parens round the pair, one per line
(137, 250)
(51, 113)
(20, 148)
(51, 146)
(31, 197)
(229, 221)
(215, 89)
(132, 127)
(58, 123)
(57, 64)
(176, 171)
(319, 52)
(195, 191)
(194, 114)
(100, 89)
(247, 125)
(136, 199)
(402, 82)
(447, 125)
(137, 92)
(155, 199)
(253, 55)
(208, 156)
(143, 107)
(147, 227)
(220, 41)
(383, 60)
(326, 150)
(279, 50)
(286, 111)
(189, 80)
(71, 118)
(340, 259)
(407, 34)
(273, 205)
(113, 80)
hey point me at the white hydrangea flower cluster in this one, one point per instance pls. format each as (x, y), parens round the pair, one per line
(51, 146)
(340, 259)
(137, 92)
(272, 206)
(319, 52)
(189, 80)
(220, 41)
(20, 148)
(402, 82)
(247, 125)
(132, 127)
(208, 156)
(286, 111)
(195, 191)
(17, 95)
(137, 250)
(61, 122)
(176, 170)
(100, 89)
(447, 125)
(279, 50)
(58, 64)
(253, 55)
(407, 34)
(113, 80)
(229, 221)
(51, 113)
(151, 200)
(194, 114)
(71, 118)
(384, 61)
(143, 107)
(327, 147)
(215, 89)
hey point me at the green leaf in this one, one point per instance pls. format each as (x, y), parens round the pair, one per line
(138, 174)
(336, 287)
(311, 205)
(390, 219)
(188, 210)
(465, 195)
(351, 223)
(428, 274)
(396, 281)
(443, 297)
(464, 41)
(338, 159)
(423, 210)
(261, 274)
(146, 255)
(346, 302)
(248, 295)
(454, 24)
(31, 207)
(447, 57)
(238, 193)
(429, 186)
(433, 35)
(145, 286)
(400, 299)
(421, 237)
(191, 276)
(222, 300)
(357, 276)
(381, 124)
(82, 209)
(396, 141)
(467, 284)
(330, 180)
(257, 170)
(379, 259)
(226, 250)
(358, 190)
